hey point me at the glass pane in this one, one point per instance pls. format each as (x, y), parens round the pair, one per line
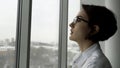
(72, 49)
(8, 17)
(44, 34)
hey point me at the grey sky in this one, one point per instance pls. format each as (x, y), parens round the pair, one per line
(8, 15)
(45, 19)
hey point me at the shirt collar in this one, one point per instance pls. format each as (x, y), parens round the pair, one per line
(87, 53)
(90, 50)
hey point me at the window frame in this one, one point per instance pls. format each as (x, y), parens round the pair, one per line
(23, 33)
(63, 27)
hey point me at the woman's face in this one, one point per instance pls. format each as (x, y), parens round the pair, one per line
(79, 27)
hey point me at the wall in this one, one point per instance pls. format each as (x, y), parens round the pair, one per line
(112, 46)
(94, 2)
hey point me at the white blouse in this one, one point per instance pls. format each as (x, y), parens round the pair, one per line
(92, 57)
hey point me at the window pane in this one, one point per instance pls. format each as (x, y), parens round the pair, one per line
(44, 34)
(8, 17)
(74, 8)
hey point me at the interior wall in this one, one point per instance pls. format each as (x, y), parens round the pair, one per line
(94, 2)
(112, 46)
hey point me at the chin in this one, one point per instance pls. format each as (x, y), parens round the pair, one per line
(71, 38)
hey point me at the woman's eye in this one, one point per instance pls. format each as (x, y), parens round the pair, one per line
(79, 20)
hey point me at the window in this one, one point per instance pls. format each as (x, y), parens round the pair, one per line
(44, 34)
(8, 19)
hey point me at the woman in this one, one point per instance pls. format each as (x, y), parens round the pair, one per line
(91, 25)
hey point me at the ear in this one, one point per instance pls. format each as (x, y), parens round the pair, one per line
(95, 29)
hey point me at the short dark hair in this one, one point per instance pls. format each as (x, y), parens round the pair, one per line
(104, 18)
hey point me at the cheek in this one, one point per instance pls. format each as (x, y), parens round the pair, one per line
(82, 31)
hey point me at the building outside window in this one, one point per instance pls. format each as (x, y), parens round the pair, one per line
(8, 20)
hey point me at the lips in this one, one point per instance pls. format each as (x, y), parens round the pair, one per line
(71, 31)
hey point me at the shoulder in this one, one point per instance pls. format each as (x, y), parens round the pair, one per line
(97, 60)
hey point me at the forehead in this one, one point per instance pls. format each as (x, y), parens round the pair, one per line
(83, 14)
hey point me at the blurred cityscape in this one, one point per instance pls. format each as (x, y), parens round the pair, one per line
(42, 55)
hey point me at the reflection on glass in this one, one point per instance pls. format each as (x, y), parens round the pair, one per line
(8, 17)
(72, 49)
(44, 34)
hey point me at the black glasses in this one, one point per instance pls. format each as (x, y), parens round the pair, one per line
(79, 19)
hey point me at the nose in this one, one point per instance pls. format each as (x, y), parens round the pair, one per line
(71, 25)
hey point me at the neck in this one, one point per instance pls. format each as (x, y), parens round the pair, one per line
(85, 44)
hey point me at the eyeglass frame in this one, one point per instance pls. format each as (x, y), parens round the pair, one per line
(75, 20)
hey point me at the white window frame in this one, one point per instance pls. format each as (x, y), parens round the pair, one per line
(24, 33)
(63, 27)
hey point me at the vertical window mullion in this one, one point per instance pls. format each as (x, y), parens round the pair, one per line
(63, 34)
(23, 33)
